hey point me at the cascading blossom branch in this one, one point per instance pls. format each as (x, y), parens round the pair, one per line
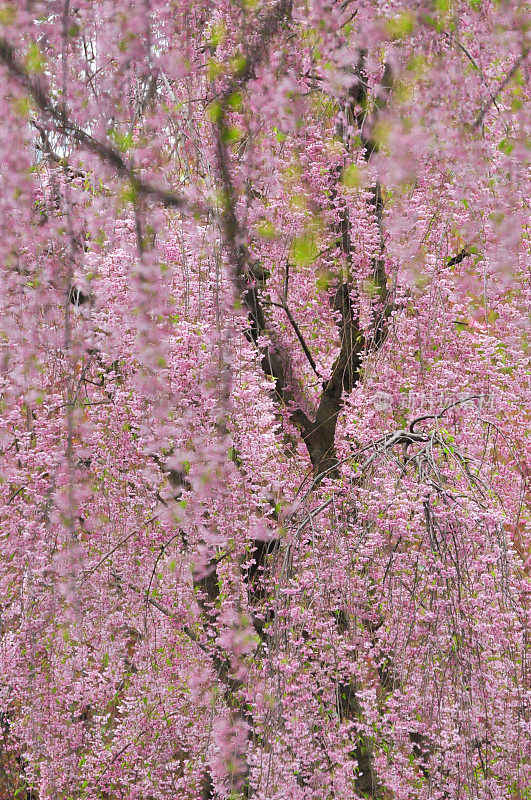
(264, 394)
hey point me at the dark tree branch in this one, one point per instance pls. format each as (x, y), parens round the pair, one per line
(493, 97)
(103, 150)
(255, 54)
(46, 148)
(464, 253)
(319, 436)
(273, 364)
(297, 330)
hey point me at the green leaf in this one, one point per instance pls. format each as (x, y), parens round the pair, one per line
(351, 176)
(215, 112)
(34, 60)
(304, 249)
(266, 230)
(232, 134)
(400, 26)
(8, 14)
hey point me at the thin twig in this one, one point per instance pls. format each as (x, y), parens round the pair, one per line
(480, 117)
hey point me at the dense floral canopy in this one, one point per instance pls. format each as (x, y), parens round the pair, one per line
(265, 430)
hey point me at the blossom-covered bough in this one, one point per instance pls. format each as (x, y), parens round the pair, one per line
(264, 448)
